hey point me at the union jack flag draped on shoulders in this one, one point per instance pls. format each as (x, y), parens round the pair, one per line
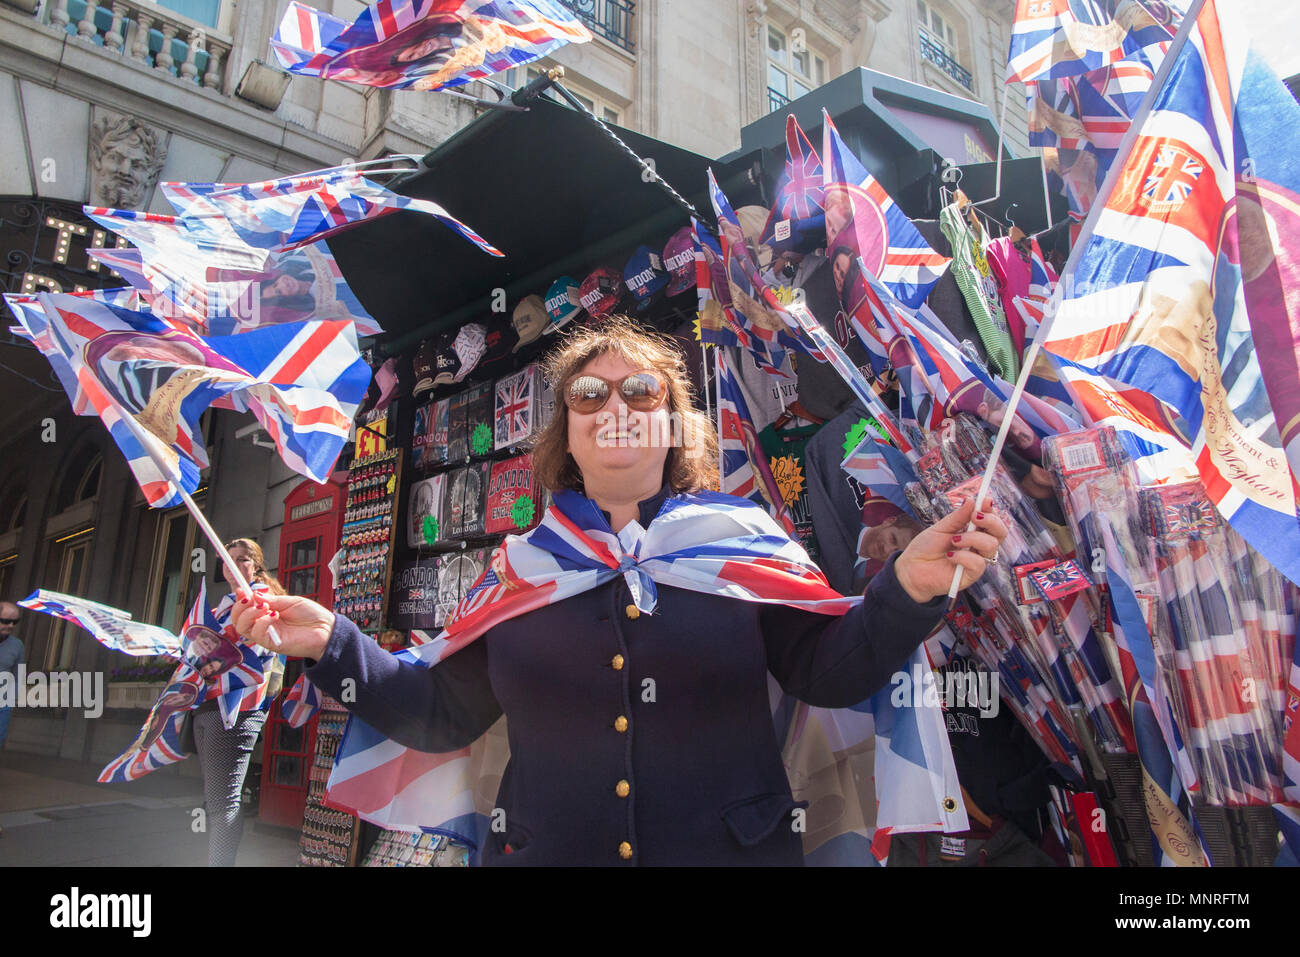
(861, 216)
(423, 44)
(1054, 38)
(797, 220)
(1178, 328)
(303, 382)
(705, 542)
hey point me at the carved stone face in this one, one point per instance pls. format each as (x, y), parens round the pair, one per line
(126, 159)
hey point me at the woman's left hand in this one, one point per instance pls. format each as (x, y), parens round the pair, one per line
(924, 569)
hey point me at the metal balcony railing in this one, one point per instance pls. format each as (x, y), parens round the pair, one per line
(940, 57)
(146, 33)
(611, 19)
(775, 100)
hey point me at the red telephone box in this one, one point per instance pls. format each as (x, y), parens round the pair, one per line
(313, 525)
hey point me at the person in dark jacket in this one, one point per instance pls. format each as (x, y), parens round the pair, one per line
(638, 738)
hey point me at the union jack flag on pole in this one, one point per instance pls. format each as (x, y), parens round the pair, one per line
(1178, 325)
(286, 213)
(1054, 38)
(863, 218)
(797, 215)
(303, 382)
(423, 44)
(111, 627)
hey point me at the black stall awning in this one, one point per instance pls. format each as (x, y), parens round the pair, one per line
(548, 188)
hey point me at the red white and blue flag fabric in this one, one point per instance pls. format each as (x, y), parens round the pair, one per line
(35, 330)
(423, 44)
(705, 542)
(719, 324)
(861, 216)
(743, 467)
(285, 213)
(797, 220)
(159, 741)
(242, 685)
(1053, 38)
(111, 627)
(302, 381)
(1178, 328)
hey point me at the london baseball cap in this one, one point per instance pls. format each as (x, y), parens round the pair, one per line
(562, 303)
(644, 275)
(530, 320)
(446, 363)
(601, 291)
(679, 260)
(423, 366)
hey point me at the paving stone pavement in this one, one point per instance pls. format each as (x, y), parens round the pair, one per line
(54, 814)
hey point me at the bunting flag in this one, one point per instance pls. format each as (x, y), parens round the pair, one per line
(1054, 38)
(303, 382)
(1178, 326)
(743, 467)
(285, 213)
(862, 219)
(111, 627)
(797, 220)
(423, 44)
(705, 542)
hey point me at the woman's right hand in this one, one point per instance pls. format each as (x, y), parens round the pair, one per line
(302, 625)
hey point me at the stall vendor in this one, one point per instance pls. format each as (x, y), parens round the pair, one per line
(645, 615)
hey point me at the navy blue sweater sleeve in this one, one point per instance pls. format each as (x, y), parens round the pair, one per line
(430, 709)
(836, 662)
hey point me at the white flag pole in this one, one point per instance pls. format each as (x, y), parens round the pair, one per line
(1085, 234)
(150, 444)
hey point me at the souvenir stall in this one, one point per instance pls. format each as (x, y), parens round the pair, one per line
(1063, 744)
(876, 304)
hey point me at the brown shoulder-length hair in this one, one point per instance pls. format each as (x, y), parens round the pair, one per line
(260, 574)
(692, 464)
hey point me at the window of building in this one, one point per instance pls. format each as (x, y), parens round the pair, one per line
(13, 510)
(8, 565)
(172, 578)
(81, 481)
(69, 567)
(939, 41)
(794, 67)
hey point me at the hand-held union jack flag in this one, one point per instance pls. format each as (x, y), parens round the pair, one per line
(797, 216)
(1054, 38)
(111, 627)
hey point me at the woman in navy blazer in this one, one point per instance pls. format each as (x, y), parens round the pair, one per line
(638, 739)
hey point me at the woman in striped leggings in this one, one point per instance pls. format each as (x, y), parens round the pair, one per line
(225, 753)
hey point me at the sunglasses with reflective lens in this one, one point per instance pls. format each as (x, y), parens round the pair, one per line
(643, 391)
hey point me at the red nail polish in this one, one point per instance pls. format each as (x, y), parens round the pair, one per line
(951, 554)
(956, 539)
(979, 514)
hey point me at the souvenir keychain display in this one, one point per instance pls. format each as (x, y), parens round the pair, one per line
(328, 835)
(368, 532)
